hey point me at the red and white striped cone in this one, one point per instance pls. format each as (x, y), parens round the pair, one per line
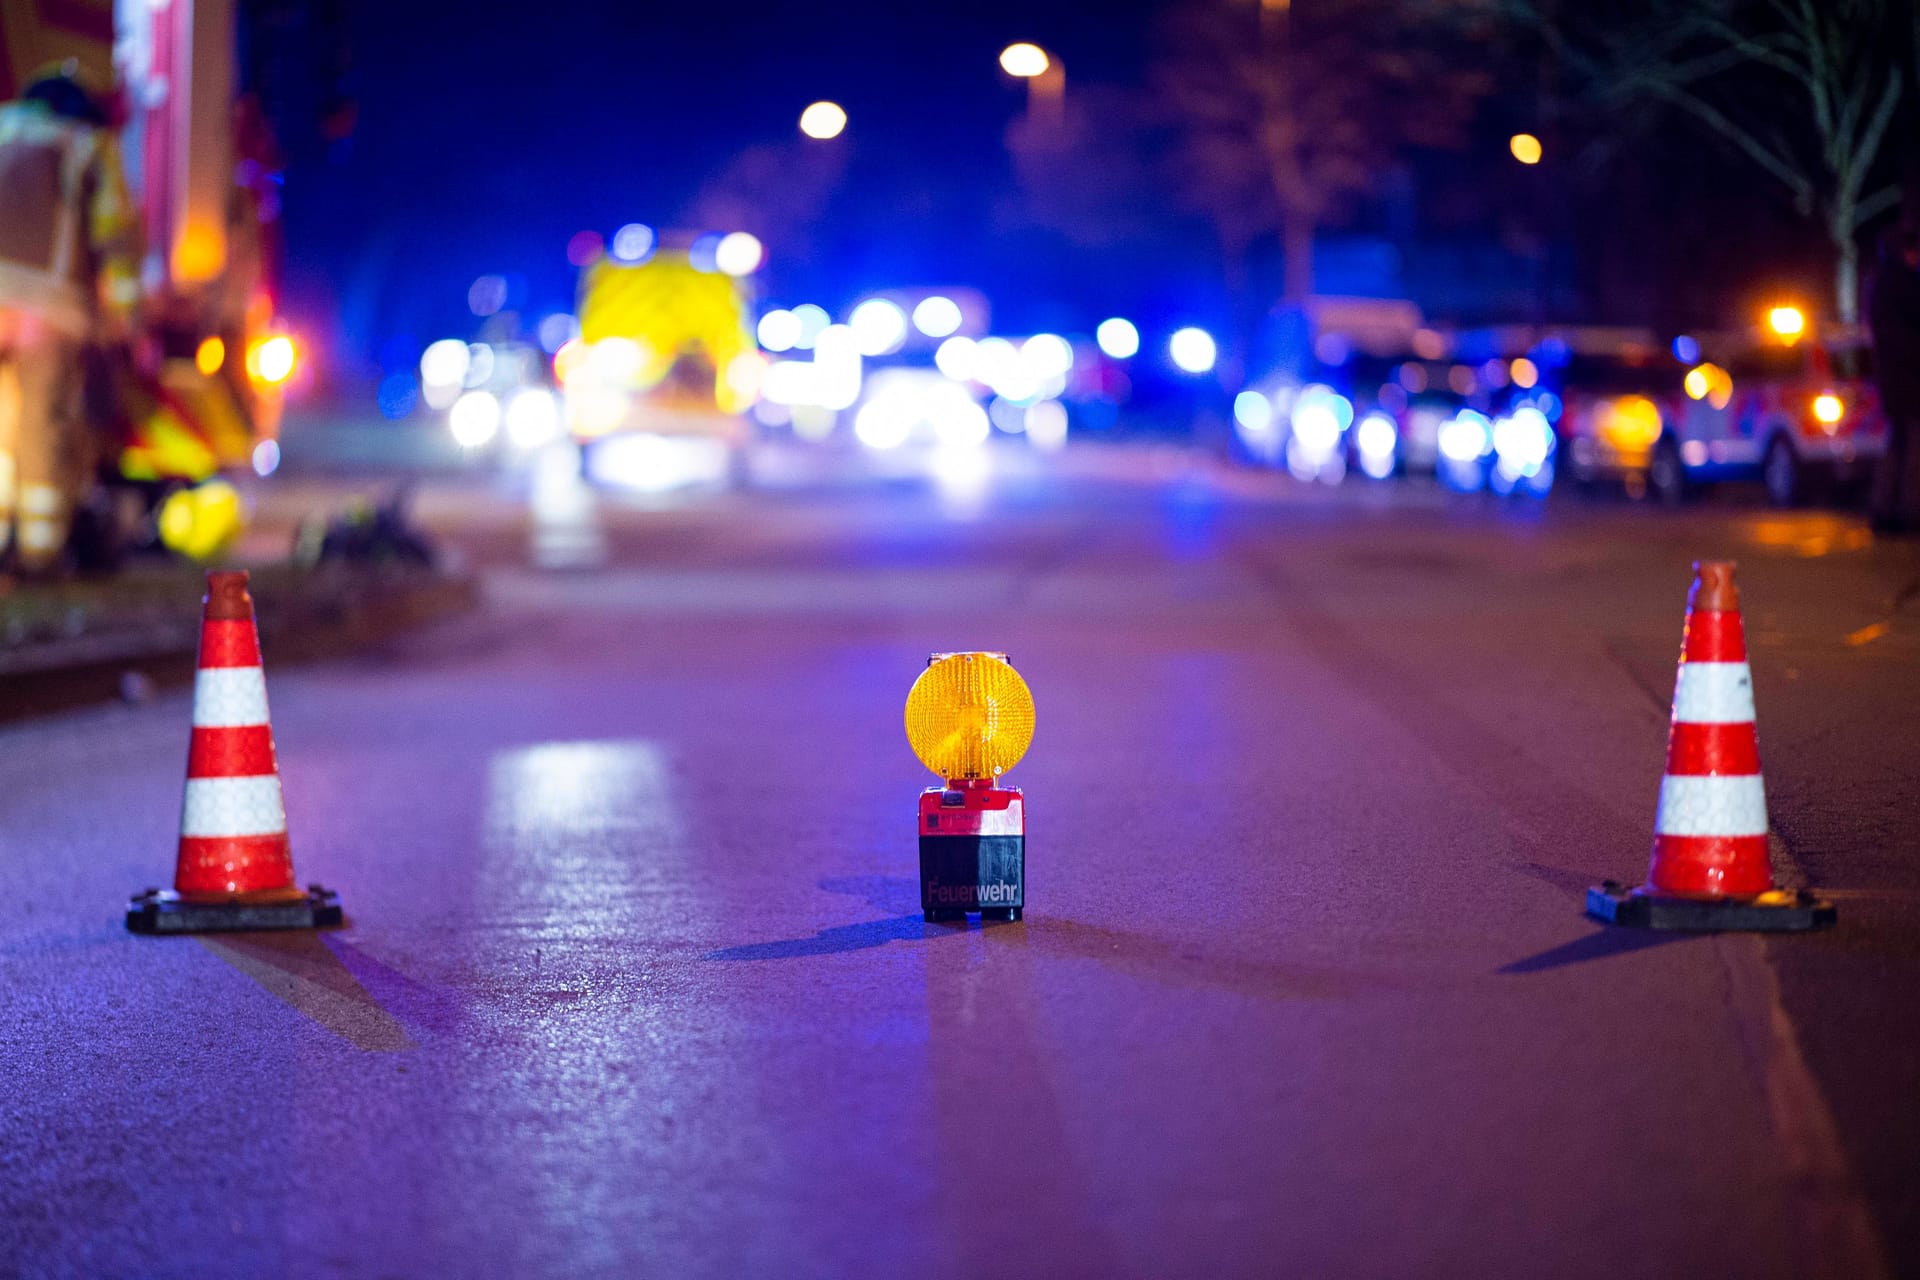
(1710, 868)
(235, 868)
(1710, 830)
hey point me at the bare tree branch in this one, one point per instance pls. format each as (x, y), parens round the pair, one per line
(1289, 116)
(1883, 201)
(1804, 89)
(1780, 166)
(1876, 129)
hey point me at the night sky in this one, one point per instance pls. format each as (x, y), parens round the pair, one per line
(490, 133)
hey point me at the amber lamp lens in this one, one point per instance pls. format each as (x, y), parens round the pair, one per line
(969, 715)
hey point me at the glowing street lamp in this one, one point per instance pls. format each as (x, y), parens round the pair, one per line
(1193, 350)
(1024, 61)
(738, 254)
(1118, 338)
(823, 120)
(1787, 323)
(1525, 148)
(1046, 79)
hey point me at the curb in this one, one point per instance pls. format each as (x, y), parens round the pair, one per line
(336, 613)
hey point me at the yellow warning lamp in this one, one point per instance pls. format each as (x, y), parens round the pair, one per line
(970, 719)
(969, 716)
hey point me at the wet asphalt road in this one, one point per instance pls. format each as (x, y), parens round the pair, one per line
(634, 982)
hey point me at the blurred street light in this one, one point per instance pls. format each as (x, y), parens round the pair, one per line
(823, 120)
(443, 368)
(879, 327)
(738, 254)
(474, 419)
(1046, 79)
(1118, 338)
(1525, 148)
(1047, 356)
(1787, 323)
(813, 322)
(633, 242)
(1193, 350)
(956, 358)
(1024, 60)
(778, 330)
(937, 316)
(532, 417)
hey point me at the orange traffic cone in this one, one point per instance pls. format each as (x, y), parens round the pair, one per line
(1710, 868)
(235, 869)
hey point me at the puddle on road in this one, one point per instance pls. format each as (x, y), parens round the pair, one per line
(1809, 536)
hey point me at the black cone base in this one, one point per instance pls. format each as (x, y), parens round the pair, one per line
(1778, 911)
(164, 911)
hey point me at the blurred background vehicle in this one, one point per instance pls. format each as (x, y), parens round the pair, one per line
(1803, 418)
(1614, 389)
(1411, 323)
(659, 380)
(196, 387)
(1797, 413)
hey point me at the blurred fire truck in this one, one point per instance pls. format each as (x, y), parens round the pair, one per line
(666, 366)
(199, 389)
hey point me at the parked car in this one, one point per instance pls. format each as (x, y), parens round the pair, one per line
(1613, 411)
(1801, 419)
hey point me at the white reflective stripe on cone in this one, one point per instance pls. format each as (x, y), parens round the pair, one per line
(1713, 693)
(227, 697)
(1692, 806)
(233, 807)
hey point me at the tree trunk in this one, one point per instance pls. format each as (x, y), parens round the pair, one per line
(1846, 274)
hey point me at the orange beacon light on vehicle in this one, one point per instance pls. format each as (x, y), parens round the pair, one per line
(970, 719)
